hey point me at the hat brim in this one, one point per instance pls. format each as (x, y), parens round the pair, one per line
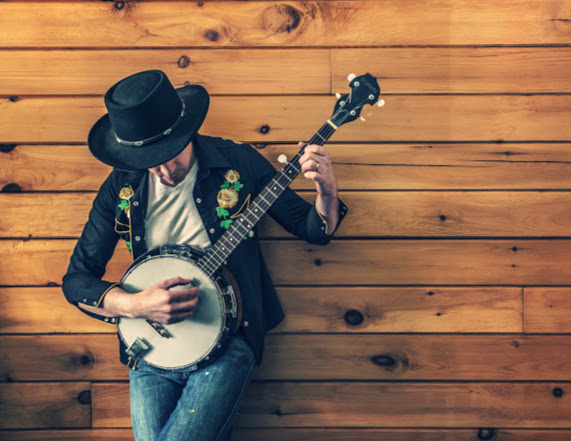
(105, 147)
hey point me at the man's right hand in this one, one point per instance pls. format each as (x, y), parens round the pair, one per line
(159, 302)
(163, 304)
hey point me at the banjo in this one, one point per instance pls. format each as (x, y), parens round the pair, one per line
(198, 340)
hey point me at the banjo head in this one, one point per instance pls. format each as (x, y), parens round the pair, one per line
(194, 341)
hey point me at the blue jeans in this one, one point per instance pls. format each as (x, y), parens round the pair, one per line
(184, 406)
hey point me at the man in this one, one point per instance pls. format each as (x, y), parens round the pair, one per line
(167, 187)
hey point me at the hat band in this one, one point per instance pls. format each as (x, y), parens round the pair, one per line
(156, 137)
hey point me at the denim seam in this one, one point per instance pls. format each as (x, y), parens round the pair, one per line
(234, 411)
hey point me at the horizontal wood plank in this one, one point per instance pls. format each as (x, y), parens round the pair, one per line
(358, 262)
(457, 70)
(261, 23)
(434, 357)
(38, 310)
(43, 310)
(356, 404)
(400, 309)
(228, 72)
(69, 435)
(401, 70)
(397, 214)
(45, 405)
(291, 118)
(357, 167)
(547, 310)
(309, 434)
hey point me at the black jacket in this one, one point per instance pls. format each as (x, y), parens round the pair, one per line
(119, 210)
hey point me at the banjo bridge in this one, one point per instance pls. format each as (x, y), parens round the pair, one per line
(159, 328)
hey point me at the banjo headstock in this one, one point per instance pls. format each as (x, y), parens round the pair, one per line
(364, 90)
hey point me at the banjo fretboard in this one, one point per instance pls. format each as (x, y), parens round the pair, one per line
(217, 255)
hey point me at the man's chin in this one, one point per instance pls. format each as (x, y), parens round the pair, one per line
(171, 183)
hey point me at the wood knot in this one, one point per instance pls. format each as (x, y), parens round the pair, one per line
(183, 62)
(430, 293)
(200, 4)
(260, 146)
(442, 217)
(486, 434)
(12, 188)
(14, 99)
(264, 129)
(119, 5)
(353, 317)
(317, 262)
(212, 35)
(390, 362)
(514, 249)
(87, 360)
(516, 344)
(7, 148)
(558, 392)
(84, 397)
(281, 18)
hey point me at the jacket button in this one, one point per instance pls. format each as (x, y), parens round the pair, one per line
(246, 324)
(212, 231)
(198, 200)
(136, 203)
(137, 238)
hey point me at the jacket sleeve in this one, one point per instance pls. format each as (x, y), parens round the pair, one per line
(83, 281)
(293, 213)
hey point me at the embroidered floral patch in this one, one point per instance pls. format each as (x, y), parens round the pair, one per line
(228, 197)
(125, 195)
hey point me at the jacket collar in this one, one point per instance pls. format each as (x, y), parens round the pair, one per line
(208, 155)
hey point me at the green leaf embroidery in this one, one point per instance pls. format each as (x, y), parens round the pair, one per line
(225, 185)
(221, 212)
(226, 223)
(124, 204)
(237, 186)
(128, 243)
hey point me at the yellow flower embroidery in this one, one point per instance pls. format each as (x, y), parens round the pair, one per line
(126, 193)
(232, 176)
(227, 198)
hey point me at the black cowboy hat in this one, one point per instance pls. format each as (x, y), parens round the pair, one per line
(148, 122)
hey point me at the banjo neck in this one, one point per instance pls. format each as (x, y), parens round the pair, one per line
(216, 256)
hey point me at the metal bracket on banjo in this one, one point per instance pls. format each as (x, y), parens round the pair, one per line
(137, 349)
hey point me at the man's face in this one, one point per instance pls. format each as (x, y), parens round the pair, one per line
(173, 172)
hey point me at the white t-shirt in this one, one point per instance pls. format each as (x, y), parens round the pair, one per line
(172, 216)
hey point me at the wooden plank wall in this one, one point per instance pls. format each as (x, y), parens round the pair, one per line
(440, 311)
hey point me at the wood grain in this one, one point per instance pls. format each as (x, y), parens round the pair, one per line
(357, 167)
(252, 71)
(397, 214)
(309, 434)
(259, 23)
(335, 404)
(37, 310)
(369, 262)
(547, 310)
(427, 357)
(408, 118)
(457, 69)
(221, 71)
(25, 310)
(45, 405)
